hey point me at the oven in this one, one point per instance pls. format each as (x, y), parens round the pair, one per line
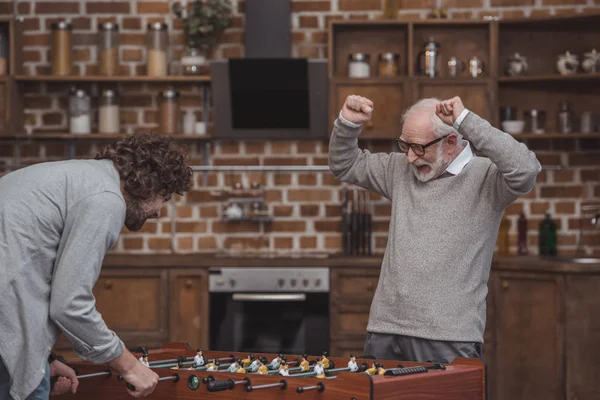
(271, 310)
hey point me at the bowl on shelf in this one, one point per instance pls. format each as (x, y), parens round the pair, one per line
(513, 127)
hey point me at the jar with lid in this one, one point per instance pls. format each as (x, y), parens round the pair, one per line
(80, 116)
(61, 48)
(388, 65)
(108, 112)
(564, 118)
(108, 49)
(157, 47)
(169, 112)
(3, 54)
(359, 65)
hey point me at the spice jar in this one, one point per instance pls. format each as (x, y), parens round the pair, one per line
(359, 65)
(80, 118)
(108, 112)
(108, 49)
(169, 112)
(157, 44)
(388, 65)
(61, 48)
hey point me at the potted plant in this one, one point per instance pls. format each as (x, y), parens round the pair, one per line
(203, 23)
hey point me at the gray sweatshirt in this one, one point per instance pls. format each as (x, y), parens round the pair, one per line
(57, 221)
(442, 233)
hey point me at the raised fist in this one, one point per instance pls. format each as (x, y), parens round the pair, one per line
(449, 110)
(357, 109)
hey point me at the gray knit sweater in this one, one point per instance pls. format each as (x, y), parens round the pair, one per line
(442, 233)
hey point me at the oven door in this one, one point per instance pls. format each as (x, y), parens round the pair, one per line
(249, 322)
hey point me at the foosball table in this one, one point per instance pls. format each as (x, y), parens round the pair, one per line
(187, 373)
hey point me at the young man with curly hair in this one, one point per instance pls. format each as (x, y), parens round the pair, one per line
(57, 222)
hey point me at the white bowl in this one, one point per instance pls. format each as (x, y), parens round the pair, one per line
(513, 127)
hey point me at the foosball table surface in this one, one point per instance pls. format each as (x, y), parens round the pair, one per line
(180, 378)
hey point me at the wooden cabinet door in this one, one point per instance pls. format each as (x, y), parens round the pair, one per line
(3, 108)
(583, 337)
(476, 94)
(189, 307)
(133, 303)
(529, 336)
(388, 104)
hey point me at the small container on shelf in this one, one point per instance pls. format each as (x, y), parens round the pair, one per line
(80, 112)
(359, 65)
(564, 118)
(61, 48)
(189, 122)
(108, 112)
(535, 121)
(157, 47)
(170, 115)
(108, 49)
(3, 54)
(387, 65)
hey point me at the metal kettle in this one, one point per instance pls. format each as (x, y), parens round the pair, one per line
(428, 59)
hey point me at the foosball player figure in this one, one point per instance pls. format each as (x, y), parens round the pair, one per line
(199, 359)
(319, 370)
(352, 365)
(213, 366)
(144, 358)
(262, 369)
(241, 369)
(304, 362)
(234, 366)
(376, 369)
(255, 364)
(276, 361)
(325, 360)
(284, 370)
(179, 364)
(380, 369)
(247, 361)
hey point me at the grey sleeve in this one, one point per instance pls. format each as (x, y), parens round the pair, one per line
(359, 167)
(92, 227)
(515, 166)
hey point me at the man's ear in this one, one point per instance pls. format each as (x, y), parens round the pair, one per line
(452, 140)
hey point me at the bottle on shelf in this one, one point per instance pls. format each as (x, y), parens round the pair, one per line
(157, 42)
(108, 49)
(522, 238)
(61, 48)
(80, 118)
(170, 115)
(547, 237)
(108, 112)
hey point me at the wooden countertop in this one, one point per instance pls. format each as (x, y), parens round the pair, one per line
(509, 263)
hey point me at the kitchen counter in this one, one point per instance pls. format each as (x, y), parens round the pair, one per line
(560, 264)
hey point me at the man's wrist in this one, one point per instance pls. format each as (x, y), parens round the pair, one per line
(460, 119)
(348, 123)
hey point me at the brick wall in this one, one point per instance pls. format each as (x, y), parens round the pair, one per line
(306, 206)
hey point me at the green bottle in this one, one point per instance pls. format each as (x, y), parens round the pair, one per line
(547, 237)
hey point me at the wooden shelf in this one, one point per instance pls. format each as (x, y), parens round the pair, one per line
(562, 136)
(344, 80)
(550, 77)
(99, 78)
(39, 137)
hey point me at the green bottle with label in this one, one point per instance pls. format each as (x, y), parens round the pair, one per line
(547, 237)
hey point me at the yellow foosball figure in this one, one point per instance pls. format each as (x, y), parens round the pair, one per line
(374, 370)
(213, 366)
(304, 363)
(263, 370)
(248, 361)
(325, 360)
(179, 365)
(241, 370)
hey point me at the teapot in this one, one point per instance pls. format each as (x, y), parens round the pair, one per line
(567, 63)
(591, 63)
(427, 59)
(516, 65)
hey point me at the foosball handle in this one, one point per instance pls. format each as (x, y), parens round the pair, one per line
(129, 385)
(207, 379)
(220, 385)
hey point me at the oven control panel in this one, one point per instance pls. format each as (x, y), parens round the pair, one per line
(271, 279)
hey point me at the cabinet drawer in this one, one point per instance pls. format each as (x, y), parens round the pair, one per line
(354, 285)
(349, 321)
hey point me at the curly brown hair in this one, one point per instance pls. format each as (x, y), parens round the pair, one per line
(150, 165)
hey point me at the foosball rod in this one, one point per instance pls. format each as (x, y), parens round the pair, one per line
(314, 373)
(190, 361)
(174, 378)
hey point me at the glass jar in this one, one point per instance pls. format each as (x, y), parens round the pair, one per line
(80, 117)
(3, 54)
(108, 112)
(388, 65)
(169, 112)
(359, 65)
(61, 48)
(157, 46)
(193, 61)
(108, 49)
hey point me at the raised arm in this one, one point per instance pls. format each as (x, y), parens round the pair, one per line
(351, 164)
(516, 166)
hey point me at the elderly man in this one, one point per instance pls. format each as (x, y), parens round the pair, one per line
(447, 205)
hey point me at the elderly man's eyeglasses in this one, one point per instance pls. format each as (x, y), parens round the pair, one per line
(418, 149)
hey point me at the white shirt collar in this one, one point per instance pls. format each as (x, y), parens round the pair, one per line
(457, 165)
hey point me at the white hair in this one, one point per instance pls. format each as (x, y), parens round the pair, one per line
(438, 126)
